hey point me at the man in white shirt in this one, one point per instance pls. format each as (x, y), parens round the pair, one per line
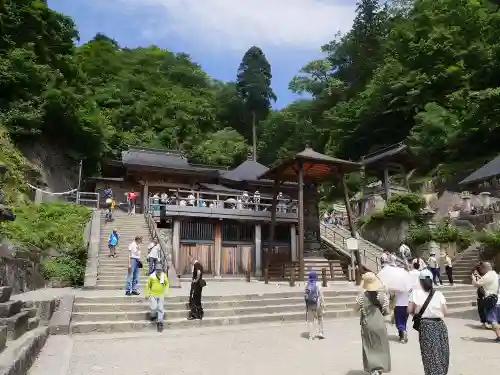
(134, 263)
(448, 268)
(490, 284)
(433, 264)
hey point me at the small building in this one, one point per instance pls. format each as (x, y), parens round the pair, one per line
(220, 216)
(389, 167)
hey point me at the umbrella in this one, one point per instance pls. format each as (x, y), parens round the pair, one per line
(395, 279)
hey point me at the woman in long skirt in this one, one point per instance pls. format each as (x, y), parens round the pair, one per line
(373, 304)
(433, 333)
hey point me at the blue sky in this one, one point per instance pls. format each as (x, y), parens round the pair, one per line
(216, 33)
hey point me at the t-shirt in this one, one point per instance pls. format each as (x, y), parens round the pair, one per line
(447, 259)
(489, 282)
(153, 252)
(401, 298)
(434, 309)
(134, 250)
(131, 196)
(432, 262)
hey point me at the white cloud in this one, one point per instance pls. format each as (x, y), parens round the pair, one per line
(238, 24)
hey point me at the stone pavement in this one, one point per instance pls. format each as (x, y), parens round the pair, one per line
(279, 349)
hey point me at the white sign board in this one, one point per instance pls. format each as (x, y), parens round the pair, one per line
(352, 244)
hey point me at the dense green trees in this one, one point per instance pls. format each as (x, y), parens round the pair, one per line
(422, 71)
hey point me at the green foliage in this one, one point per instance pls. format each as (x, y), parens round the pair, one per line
(441, 234)
(401, 207)
(224, 147)
(490, 241)
(51, 228)
(414, 202)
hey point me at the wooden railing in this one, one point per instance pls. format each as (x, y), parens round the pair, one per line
(231, 201)
(165, 257)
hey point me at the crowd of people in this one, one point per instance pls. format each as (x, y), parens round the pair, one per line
(157, 285)
(428, 308)
(335, 218)
(195, 198)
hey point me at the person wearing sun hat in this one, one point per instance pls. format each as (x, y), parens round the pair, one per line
(373, 304)
(428, 307)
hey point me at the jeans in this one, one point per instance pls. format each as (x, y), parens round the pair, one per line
(436, 273)
(401, 318)
(156, 307)
(133, 276)
(151, 265)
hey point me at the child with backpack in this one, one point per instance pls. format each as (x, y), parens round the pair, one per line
(314, 306)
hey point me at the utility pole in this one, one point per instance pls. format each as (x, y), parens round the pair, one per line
(79, 182)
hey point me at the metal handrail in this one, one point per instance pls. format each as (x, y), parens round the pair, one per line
(327, 232)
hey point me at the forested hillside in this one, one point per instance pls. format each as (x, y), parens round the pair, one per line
(423, 71)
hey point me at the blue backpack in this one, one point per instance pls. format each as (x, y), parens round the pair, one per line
(311, 294)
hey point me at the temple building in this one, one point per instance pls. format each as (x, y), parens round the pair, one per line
(220, 216)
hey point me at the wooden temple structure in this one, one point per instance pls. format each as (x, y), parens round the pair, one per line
(385, 173)
(232, 220)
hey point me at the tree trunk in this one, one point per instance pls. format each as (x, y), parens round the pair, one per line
(254, 135)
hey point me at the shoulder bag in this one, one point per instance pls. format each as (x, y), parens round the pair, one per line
(417, 318)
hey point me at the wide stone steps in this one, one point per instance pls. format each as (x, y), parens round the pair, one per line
(125, 314)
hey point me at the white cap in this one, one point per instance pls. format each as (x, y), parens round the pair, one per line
(425, 274)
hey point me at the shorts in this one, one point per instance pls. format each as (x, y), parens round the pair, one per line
(493, 315)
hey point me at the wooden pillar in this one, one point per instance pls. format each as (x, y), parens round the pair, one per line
(258, 250)
(387, 186)
(270, 240)
(301, 219)
(176, 245)
(293, 242)
(145, 198)
(217, 267)
(352, 227)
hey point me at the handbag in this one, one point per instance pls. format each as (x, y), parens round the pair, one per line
(417, 318)
(139, 264)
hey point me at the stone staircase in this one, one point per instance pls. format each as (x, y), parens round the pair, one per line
(337, 237)
(464, 262)
(21, 338)
(112, 272)
(126, 314)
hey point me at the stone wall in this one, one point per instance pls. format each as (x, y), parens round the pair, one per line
(21, 274)
(387, 234)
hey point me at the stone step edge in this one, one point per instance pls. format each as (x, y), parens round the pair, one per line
(20, 354)
(328, 307)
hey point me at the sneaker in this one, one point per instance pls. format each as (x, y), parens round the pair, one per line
(320, 335)
(405, 338)
(159, 327)
(135, 293)
(497, 339)
(127, 293)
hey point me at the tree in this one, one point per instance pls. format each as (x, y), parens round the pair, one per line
(254, 86)
(224, 147)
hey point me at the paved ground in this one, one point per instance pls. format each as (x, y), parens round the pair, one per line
(247, 350)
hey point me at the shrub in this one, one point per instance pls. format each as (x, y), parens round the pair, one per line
(414, 202)
(53, 232)
(419, 235)
(491, 244)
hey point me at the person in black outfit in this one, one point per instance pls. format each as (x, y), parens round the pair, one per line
(197, 284)
(477, 273)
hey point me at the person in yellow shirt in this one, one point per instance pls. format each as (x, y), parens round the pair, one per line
(156, 289)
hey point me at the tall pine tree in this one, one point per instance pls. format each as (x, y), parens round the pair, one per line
(254, 86)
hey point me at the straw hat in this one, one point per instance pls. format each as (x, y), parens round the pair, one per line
(371, 282)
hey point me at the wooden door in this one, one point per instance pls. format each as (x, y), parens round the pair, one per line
(202, 252)
(236, 259)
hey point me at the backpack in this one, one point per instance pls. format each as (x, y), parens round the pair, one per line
(311, 294)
